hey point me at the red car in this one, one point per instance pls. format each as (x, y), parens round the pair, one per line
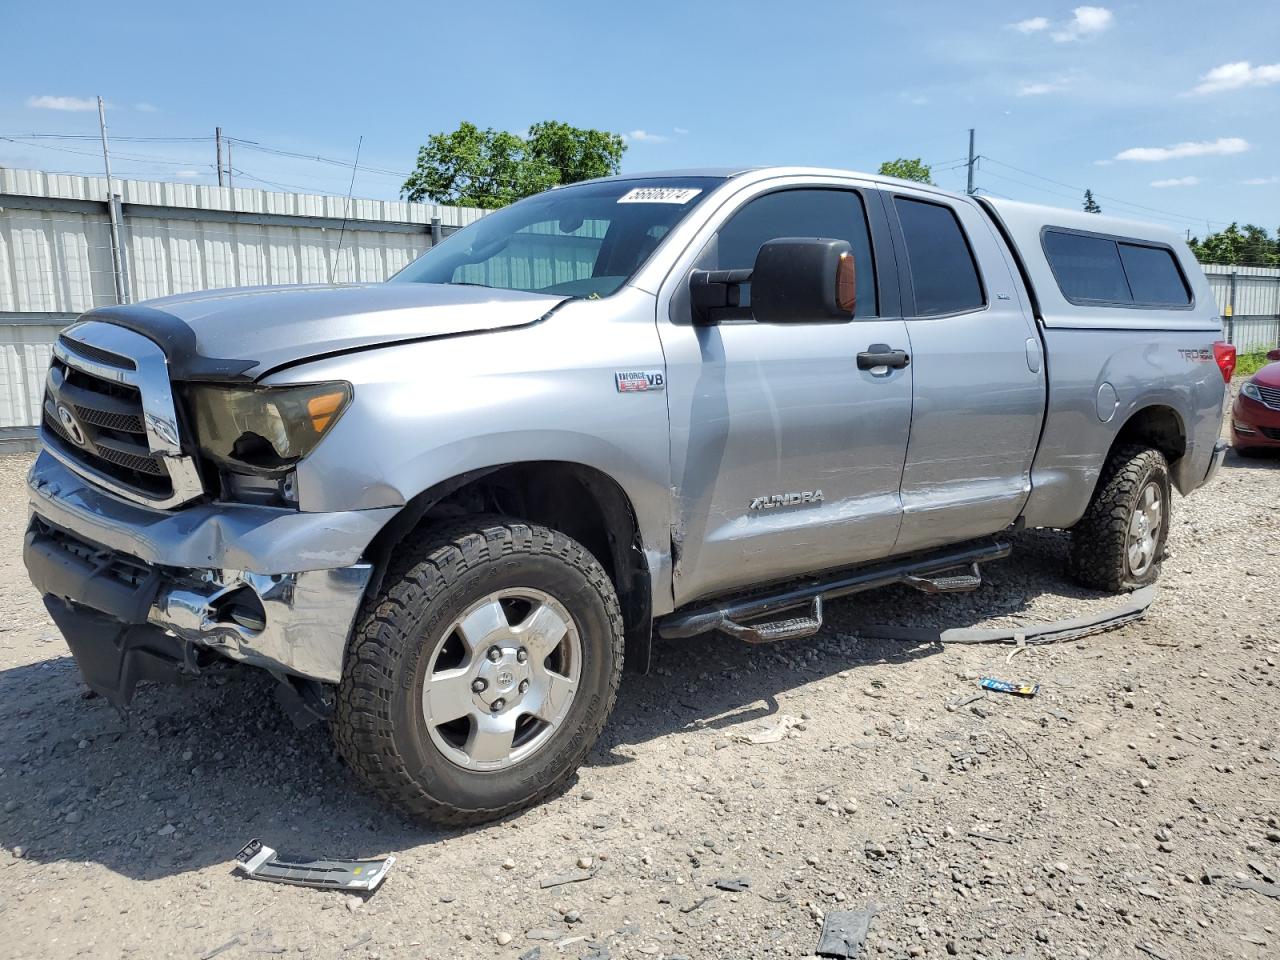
(1255, 418)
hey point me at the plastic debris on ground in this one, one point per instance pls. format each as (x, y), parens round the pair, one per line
(260, 862)
(844, 931)
(1008, 686)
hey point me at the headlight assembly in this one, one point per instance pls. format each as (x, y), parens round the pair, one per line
(1250, 390)
(265, 429)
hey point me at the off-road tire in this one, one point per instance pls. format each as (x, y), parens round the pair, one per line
(378, 722)
(1099, 541)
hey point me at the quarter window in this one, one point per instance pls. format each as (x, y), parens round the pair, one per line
(832, 214)
(1107, 270)
(943, 273)
(1154, 277)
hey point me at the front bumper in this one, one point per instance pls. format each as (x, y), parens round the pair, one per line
(1254, 424)
(272, 587)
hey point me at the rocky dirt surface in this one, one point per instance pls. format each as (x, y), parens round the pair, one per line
(1131, 809)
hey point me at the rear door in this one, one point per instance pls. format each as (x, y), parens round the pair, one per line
(786, 457)
(979, 384)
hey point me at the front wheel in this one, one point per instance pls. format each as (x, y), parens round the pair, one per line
(1119, 542)
(482, 673)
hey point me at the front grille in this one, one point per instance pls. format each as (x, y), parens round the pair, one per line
(109, 415)
(1271, 433)
(1270, 395)
(128, 423)
(97, 353)
(110, 421)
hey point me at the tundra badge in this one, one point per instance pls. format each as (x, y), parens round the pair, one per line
(786, 499)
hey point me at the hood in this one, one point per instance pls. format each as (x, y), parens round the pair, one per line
(1268, 376)
(244, 333)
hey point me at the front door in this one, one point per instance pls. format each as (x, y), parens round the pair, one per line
(786, 456)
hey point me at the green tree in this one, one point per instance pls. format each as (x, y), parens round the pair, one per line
(1247, 246)
(1090, 204)
(905, 169)
(575, 153)
(492, 168)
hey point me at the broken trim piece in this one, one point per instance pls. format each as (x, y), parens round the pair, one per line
(1056, 632)
(260, 862)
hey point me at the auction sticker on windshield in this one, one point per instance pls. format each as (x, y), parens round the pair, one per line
(659, 195)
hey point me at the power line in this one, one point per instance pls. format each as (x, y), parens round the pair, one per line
(1124, 203)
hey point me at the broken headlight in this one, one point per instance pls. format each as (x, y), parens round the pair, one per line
(265, 429)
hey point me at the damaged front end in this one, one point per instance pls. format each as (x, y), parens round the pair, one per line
(126, 620)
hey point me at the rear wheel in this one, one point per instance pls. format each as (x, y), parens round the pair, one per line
(1119, 542)
(482, 673)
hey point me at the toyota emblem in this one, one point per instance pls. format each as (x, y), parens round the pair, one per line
(72, 426)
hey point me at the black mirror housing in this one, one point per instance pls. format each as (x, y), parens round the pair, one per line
(803, 280)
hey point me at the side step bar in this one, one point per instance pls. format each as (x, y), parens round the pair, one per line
(923, 572)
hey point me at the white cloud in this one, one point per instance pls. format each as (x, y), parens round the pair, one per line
(681, 131)
(644, 136)
(1040, 89)
(1084, 21)
(1176, 182)
(1261, 181)
(1223, 146)
(146, 108)
(187, 174)
(1033, 25)
(1234, 76)
(61, 103)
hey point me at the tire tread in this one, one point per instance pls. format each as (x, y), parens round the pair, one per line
(1099, 539)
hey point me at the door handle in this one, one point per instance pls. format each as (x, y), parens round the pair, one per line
(880, 355)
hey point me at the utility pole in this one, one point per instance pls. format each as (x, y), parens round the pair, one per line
(217, 135)
(117, 255)
(972, 160)
(229, 181)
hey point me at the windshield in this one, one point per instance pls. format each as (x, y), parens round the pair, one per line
(579, 241)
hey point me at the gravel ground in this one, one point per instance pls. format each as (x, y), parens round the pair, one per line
(1132, 809)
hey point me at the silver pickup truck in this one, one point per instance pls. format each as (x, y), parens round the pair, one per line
(444, 509)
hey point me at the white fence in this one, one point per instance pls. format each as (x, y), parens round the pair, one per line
(1253, 295)
(56, 258)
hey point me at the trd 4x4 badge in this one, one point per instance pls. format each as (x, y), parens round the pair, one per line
(786, 499)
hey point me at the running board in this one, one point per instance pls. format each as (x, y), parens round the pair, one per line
(774, 630)
(956, 583)
(926, 572)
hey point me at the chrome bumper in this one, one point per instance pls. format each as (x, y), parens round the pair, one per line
(300, 627)
(271, 587)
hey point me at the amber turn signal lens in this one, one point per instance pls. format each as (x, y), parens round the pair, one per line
(846, 283)
(322, 409)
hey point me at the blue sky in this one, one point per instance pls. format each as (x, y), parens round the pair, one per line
(1170, 106)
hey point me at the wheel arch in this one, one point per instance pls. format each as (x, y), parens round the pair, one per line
(580, 501)
(1161, 427)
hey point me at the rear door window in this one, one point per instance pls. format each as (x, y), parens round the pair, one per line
(944, 275)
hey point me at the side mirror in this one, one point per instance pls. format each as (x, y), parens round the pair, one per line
(1273, 355)
(794, 280)
(803, 280)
